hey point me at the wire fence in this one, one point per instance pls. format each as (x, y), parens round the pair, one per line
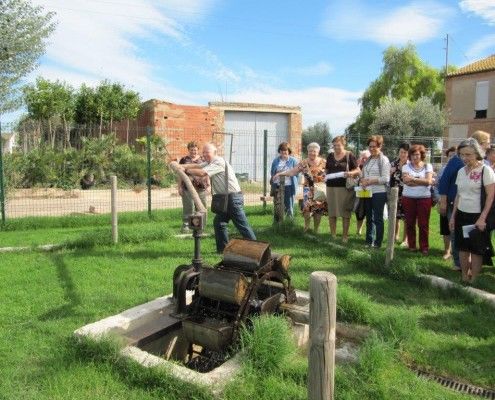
(152, 187)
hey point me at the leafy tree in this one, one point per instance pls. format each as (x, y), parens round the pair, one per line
(46, 100)
(403, 120)
(24, 29)
(319, 133)
(404, 76)
(130, 109)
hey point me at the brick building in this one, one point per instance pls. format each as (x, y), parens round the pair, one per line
(236, 128)
(470, 100)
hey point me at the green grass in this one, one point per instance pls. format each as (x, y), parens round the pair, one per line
(47, 295)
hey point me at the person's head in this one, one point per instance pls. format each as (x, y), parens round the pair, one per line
(284, 150)
(417, 153)
(339, 143)
(490, 154)
(363, 156)
(483, 138)
(375, 143)
(209, 151)
(470, 151)
(450, 152)
(403, 151)
(313, 150)
(193, 148)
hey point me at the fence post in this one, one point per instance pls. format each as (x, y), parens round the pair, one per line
(279, 201)
(392, 214)
(265, 166)
(322, 324)
(2, 181)
(115, 226)
(148, 167)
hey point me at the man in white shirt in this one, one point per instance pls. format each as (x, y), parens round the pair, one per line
(214, 167)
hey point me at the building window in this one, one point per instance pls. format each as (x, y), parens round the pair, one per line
(481, 99)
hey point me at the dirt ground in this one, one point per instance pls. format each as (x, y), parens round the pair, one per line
(57, 202)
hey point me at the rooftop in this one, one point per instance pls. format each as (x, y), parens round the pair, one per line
(484, 65)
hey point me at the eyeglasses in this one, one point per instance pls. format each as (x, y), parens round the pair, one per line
(372, 147)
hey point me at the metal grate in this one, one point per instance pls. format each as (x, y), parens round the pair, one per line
(458, 386)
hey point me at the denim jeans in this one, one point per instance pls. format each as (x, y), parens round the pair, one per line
(235, 212)
(454, 249)
(289, 201)
(374, 218)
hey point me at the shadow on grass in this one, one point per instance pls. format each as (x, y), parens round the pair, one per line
(70, 292)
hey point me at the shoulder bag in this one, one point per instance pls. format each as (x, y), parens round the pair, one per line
(220, 201)
(350, 182)
(490, 218)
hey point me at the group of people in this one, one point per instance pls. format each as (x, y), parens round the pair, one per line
(464, 189)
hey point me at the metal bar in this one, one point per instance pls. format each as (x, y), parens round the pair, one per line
(148, 167)
(115, 227)
(2, 181)
(265, 166)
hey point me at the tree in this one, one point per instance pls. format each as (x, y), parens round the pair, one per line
(404, 76)
(319, 133)
(405, 121)
(130, 109)
(46, 100)
(24, 29)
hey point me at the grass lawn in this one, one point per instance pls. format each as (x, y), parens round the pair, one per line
(47, 295)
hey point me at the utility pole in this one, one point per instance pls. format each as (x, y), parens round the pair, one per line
(446, 53)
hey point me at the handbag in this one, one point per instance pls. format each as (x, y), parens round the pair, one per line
(320, 192)
(350, 182)
(490, 218)
(220, 201)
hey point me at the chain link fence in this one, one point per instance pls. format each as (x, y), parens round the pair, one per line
(66, 171)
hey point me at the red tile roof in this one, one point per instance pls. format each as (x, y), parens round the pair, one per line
(486, 64)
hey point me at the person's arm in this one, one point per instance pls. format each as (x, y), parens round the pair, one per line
(444, 183)
(354, 170)
(290, 172)
(490, 192)
(454, 213)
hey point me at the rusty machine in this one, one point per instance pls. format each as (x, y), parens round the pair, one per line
(249, 280)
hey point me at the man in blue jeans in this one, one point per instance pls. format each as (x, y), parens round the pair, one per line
(214, 167)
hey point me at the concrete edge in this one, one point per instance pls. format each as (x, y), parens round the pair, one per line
(443, 283)
(43, 247)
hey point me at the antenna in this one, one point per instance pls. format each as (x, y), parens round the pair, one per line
(220, 91)
(446, 53)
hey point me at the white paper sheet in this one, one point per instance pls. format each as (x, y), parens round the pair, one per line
(335, 175)
(466, 229)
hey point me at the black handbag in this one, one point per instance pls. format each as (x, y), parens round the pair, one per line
(490, 218)
(220, 201)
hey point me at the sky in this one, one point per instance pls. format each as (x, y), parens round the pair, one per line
(319, 55)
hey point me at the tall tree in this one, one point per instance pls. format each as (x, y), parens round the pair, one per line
(24, 29)
(319, 133)
(404, 76)
(130, 109)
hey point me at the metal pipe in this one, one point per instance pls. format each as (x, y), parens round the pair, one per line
(2, 181)
(115, 227)
(265, 166)
(148, 167)
(187, 181)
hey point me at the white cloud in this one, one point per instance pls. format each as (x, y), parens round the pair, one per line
(336, 106)
(483, 47)
(356, 20)
(319, 69)
(484, 9)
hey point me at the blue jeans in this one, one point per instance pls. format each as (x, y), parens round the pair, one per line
(454, 250)
(235, 212)
(374, 218)
(289, 201)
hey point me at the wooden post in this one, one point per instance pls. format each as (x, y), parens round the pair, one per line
(392, 215)
(322, 324)
(278, 202)
(115, 227)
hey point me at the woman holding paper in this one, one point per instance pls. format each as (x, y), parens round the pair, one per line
(314, 200)
(416, 197)
(468, 217)
(375, 177)
(340, 199)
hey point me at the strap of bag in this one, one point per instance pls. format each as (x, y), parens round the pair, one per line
(347, 162)
(226, 179)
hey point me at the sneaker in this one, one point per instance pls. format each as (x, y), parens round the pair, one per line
(456, 268)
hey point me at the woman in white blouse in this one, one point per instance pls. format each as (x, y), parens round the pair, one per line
(468, 211)
(416, 197)
(375, 176)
